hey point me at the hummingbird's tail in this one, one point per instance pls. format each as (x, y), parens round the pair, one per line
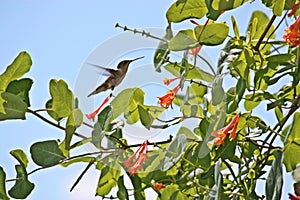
(103, 87)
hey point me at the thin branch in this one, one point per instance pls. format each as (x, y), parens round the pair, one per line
(52, 123)
(209, 65)
(88, 125)
(256, 48)
(231, 171)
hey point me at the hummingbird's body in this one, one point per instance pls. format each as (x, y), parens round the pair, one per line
(115, 76)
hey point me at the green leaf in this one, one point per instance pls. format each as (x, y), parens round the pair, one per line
(138, 189)
(145, 117)
(292, 145)
(217, 90)
(200, 158)
(193, 72)
(227, 5)
(20, 156)
(46, 153)
(124, 100)
(174, 151)
(211, 34)
(108, 178)
(98, 132)
(75, 120)
(194, 110)
(186, 9)
(281, 58)
(3, 194)
(17, 69)
(279, 113)
(197, 93)
(173, 192)
(184, 39)
(275, 180)
(62, 98)
(53, 114)
(23, 186)
(162, 51)
(235, 28)
(257, 25)
(14, 107)
(148, 114)
(240, 89)
(122, 190)
(131, 102)
(226, 151)
(21, 89)
(187, 132)
(278, 6)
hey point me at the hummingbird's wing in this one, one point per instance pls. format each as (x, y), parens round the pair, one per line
(107, 71)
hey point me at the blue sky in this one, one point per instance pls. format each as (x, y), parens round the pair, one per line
(60, 36)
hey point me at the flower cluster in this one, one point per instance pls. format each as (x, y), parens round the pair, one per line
(142, 156)
(220, 135)
(292, 34)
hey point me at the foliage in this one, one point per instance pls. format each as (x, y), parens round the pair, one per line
(190, 164)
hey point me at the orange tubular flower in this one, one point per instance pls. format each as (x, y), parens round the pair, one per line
(292, 197)
(295, 8)
(92, 115)
(166, 100)
(220, 135)
(137, 165)
(167, 81)
(195, 51)
(292, 34)
(158, 186)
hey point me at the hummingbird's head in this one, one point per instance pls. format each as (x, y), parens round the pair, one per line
(125, 63)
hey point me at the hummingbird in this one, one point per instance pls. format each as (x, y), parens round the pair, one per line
(115, 76)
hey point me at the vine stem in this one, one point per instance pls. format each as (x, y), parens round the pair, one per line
(256, 48)
(143, 33)
(35, 113)
(64, 160)
(281, 124)
(125, 146)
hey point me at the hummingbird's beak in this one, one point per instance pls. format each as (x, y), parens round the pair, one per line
(138, 58)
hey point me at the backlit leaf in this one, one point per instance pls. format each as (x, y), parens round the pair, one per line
(62, 98)
(174, 151)
(14, 107)
(186, 9)
(17, 69)
(20, 156)
(108, 178)
(184, 39)
(211, 34)
(292, 145)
